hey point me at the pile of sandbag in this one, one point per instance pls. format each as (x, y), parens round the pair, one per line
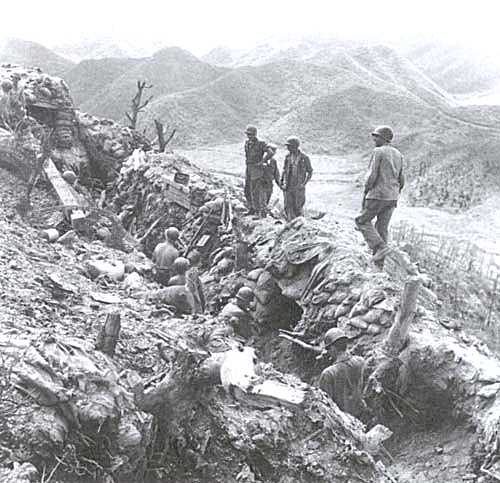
(156, 190)
(107, 144)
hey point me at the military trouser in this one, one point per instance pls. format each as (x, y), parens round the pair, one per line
(294, 201)
(267, 191)
(375, 236)
(255, 195)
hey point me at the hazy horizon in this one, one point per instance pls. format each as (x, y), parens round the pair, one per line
(201, 26)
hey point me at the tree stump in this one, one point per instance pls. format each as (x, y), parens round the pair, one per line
(399, 331)
(109, 334)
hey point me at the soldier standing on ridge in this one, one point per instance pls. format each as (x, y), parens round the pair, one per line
(297, 172)
(255, 150)
(165, 254)
(384, 182)
(271, 174)
(343, 380)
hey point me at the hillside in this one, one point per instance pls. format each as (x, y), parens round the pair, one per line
(168, 70)
(459, 69)
(31, 54)
(330, 93)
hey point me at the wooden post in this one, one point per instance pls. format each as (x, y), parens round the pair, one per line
(399, 331)
(109, 334)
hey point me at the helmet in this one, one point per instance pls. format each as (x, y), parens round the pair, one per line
(181, 264)
(333, 335)
(172, 233)
(194, 257)
(385, 132)
(6, 85)
(245, 294)
(293, 141)
(251, 130)
(69, 176)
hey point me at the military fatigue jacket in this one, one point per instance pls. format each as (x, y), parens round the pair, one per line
(254, 155)
(343, 382)
(385, 177)
(295, 170)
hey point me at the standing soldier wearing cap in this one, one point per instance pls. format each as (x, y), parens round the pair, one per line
(256, 152)
(384, 182)
(343, 380)
(297, 172)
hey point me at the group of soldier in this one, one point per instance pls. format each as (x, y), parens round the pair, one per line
(262, 170)
(343, 380)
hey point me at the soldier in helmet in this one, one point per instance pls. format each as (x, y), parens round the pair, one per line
(165, 254)
(343, 380)
(384, 182)
(297, 172)
(179, 268)
(237, 312)
(256, 152)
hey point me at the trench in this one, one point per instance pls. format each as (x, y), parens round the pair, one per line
(432, 439)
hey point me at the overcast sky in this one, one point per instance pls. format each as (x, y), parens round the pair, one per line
(199, 26)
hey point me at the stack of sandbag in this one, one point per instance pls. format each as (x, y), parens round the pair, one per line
(107, 143)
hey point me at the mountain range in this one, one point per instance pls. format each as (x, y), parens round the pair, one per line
(329, 93)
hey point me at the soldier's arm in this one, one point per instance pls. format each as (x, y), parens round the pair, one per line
(401, 175)
(283, 175)
(309, 170)
(154, 258)
(372, 171)
(327, 384)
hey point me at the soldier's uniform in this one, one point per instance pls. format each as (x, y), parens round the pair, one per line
(384, 181)
(163, 257)
(296, 171)
(343, 382)
(271, 175)
(255, 150)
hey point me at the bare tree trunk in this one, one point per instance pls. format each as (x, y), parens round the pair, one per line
(137, 104)
(399, 331)
(109, 334)
(161, 132)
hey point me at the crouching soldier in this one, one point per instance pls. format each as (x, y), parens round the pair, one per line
(179, 268)
(165, 254)
(238, 313)
(343, 380)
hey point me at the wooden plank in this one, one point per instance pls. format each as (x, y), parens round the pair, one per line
(178, 193)
(67, 195)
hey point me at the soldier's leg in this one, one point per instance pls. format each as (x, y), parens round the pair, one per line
(383, 220)
(370, 210)
(300, 201)
(257, 196)
(288, 205)
(248, 192)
